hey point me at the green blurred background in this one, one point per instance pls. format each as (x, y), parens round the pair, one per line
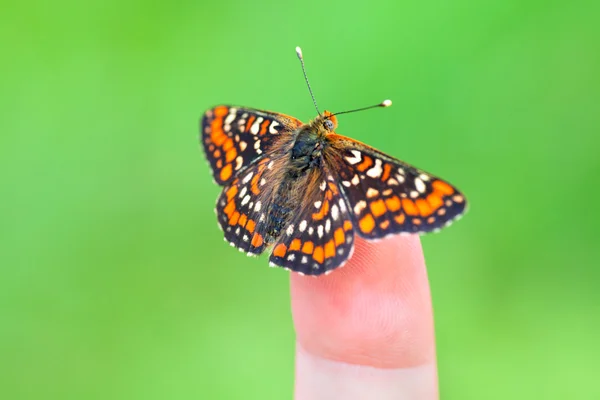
(115, 282)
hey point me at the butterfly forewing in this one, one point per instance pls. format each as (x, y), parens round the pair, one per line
(234, 137)
(387, 196)
(321, 236)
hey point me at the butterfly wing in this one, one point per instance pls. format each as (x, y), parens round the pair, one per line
(320, 237)
(239, 211)
(387, 196)
(234, 137)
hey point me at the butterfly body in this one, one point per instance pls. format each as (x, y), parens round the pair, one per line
(296, 162)
(305, 191)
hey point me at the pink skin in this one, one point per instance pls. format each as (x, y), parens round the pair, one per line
(366, 330)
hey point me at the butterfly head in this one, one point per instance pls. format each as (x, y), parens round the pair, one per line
(329, 121)
(324, 123)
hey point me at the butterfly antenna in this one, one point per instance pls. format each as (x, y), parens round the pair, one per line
(299, 52)
(385, 103)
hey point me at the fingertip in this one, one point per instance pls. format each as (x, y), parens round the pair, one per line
(374, 311)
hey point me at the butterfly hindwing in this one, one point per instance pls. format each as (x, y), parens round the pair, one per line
(233, 137)
(321, 236)
(239, 210)
(388, 196)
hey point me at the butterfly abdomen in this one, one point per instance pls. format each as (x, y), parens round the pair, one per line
(280, 210)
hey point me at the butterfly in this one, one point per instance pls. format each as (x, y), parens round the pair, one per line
(304, 191)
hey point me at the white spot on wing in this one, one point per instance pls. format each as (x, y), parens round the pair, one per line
(355, 180)
(372, 192)
(245, 200)
(318, 204)
(256, 126)
(334, 212)
(355, 158)
(327, 225)
(420, 185)
(238, 162)
(302, 226)
(230, 117)
(375, 171)
(323, 185)
(361, 205)
(247, 177)
(272, 127)
(290, 230)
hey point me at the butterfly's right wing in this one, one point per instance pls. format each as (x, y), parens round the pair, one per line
(388, 196)
(234, 137)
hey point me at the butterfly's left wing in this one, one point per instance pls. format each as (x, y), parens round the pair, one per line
(388, 196)
(239, 209)
(234, 137)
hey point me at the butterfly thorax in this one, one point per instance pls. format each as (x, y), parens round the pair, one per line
(306, 152)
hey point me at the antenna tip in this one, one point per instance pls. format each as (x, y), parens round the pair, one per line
(299, 51)
(386, 103)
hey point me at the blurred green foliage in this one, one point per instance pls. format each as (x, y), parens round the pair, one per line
(115, 282)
